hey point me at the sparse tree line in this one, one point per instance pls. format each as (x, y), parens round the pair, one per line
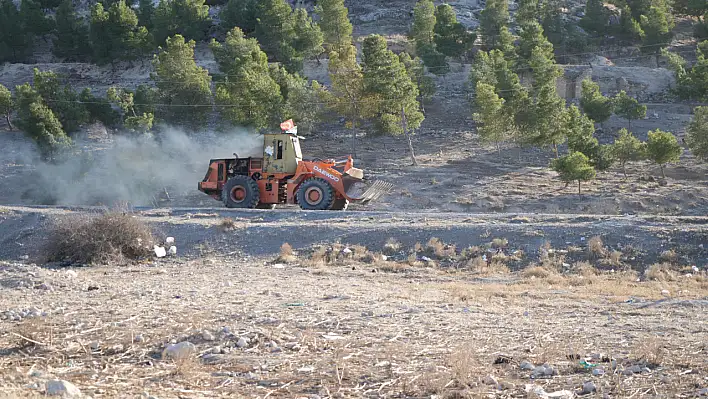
(535, 115)
(250, 91)
(384, 89)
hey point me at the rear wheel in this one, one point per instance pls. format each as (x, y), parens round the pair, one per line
(315, 194)
(240, 192)
(340, 204)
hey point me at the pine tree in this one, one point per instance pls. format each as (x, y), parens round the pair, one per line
(628, 108)
(580, 130)
(71, 42)
(300, 99)
(657, 26)
(532, 37)
(596, 17)
(490, 114)
(433, 59)
(416, 71)
(39, 122)
(241, 14)
(639, 7)
(663, 148)
(115, 34)
(629, 28)
(494, 16)
(697, 133)
(249, 96)
(627, 148)
(423, 23)
(146, 11)
(187, 18)
(596, 106)
(451, 37)
(99, 109)
(549, 107)
(133, 120)
(335, 25)
(346, 96)
(386, 79)
(61, 99)
(6, 104)
(529, 11)
(574, 166)
(35, 20)
(308, 36)
(694, 8)
(16, 44)
(275, 32)
(183, 87)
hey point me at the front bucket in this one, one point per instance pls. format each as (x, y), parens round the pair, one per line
(373, 192)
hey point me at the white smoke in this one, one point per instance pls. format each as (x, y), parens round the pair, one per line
(138, 169)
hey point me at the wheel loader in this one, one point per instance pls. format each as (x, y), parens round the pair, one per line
(282, 176)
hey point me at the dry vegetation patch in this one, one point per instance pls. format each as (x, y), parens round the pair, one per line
(113, 236)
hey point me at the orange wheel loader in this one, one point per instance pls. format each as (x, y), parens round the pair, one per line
(282, 176)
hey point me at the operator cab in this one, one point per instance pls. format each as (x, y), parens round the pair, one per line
(281, 152)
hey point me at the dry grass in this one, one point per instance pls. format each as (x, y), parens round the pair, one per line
(596, 249)
(537, 272)
(438, 249)
(286, 254)
(391, 247)
(660, 272)
(651, 350)
(669, 256)
(114, 236)
(227, 224)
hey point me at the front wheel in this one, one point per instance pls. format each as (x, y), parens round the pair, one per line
(240, 192)
(340, 204)
(315, 194)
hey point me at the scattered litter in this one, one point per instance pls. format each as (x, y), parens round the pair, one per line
(160, 252)
(502, 359)
(538, 391)
(170, 240)
(173, 250)
(598, 372)
(306, 369)
(346, 251)
(278, 266)
(588, 388)
(62, 388)
(242, 342)
(525, 365)
(179, 351)
(332, 337)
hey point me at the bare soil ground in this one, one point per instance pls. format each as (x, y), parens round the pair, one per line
(316, 329)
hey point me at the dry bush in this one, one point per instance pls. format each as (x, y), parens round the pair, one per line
(286, 254)
(596, 248)
(660, 272)
(340, 254)
(650, 350)
(537, 272)
(227, 224)
(472, 252)
(499, 243)
(435, 247)
(479, 265)
(113, 236)
(391, 247)
(585, 269)
(669, 256)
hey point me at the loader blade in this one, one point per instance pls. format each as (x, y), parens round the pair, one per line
(374, 192)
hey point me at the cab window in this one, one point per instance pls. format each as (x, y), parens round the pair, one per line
(279, 150)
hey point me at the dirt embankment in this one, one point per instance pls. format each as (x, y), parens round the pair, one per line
(639, 240)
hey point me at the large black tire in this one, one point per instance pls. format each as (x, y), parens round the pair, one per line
(240, 192)
(315, 194)
(340, 204)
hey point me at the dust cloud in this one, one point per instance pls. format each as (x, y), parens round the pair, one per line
(138, 170)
